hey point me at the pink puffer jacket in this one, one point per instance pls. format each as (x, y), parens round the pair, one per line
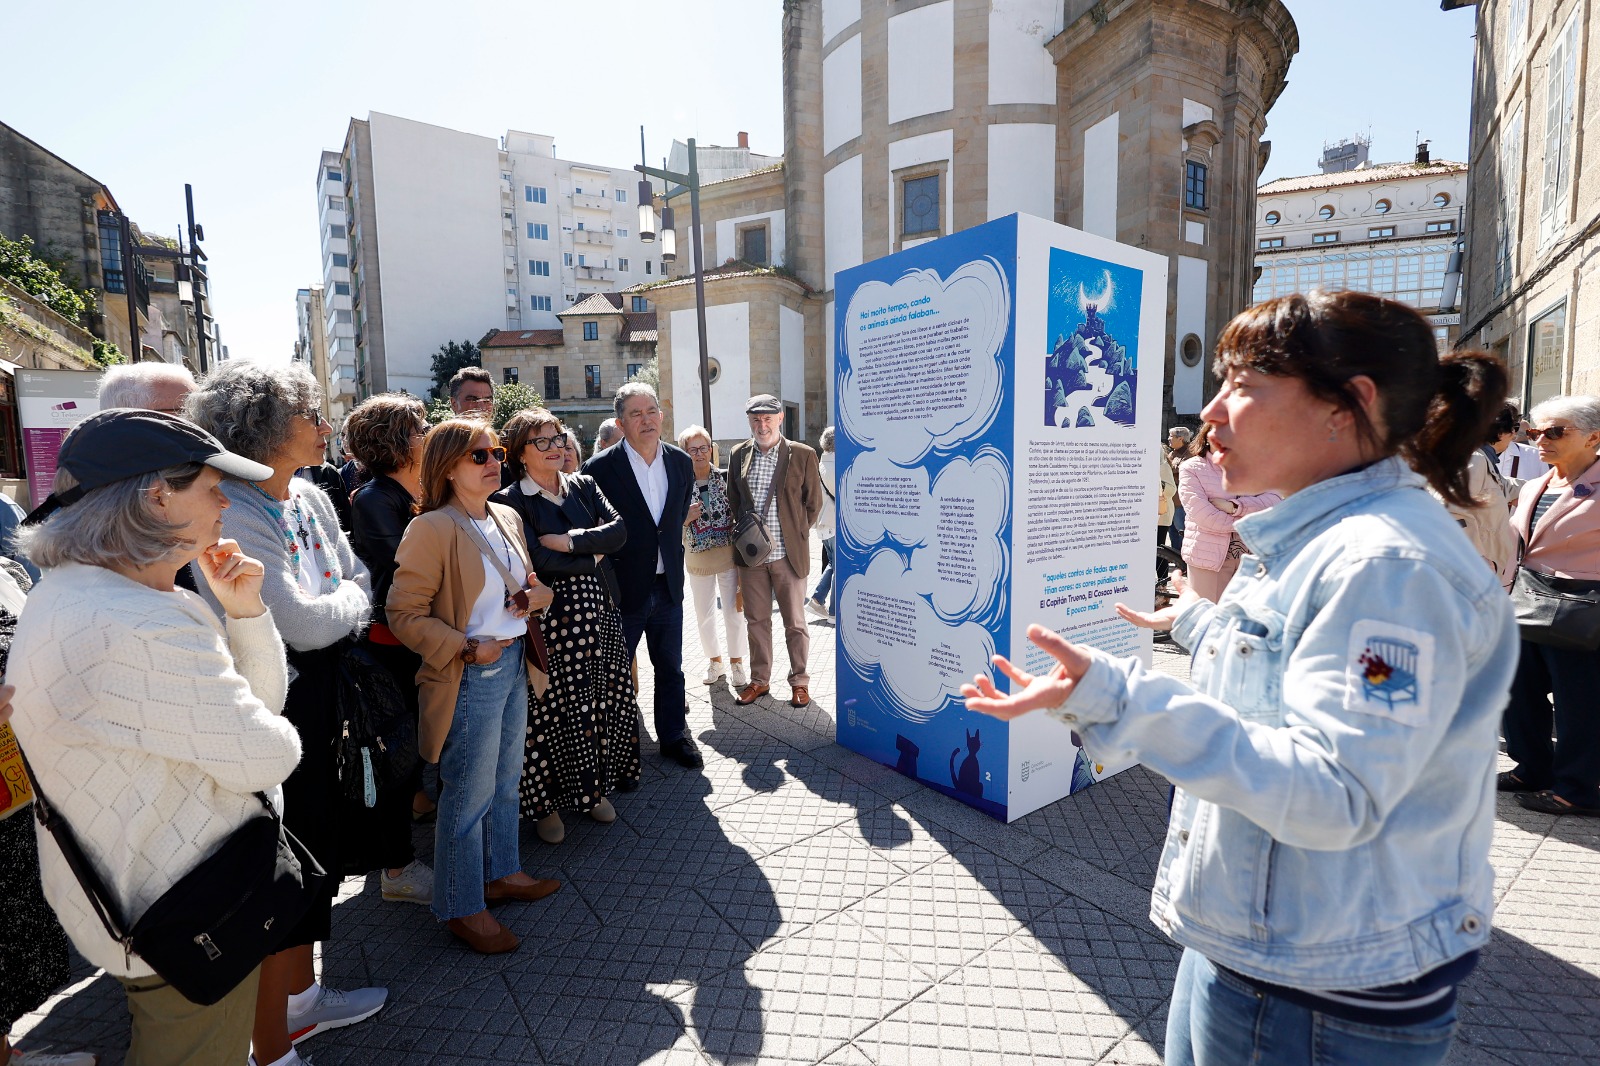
(1206, 530)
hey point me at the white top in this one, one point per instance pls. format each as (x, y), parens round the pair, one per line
(490, 618)
(149, 723)
(652, 479)
(825, 517)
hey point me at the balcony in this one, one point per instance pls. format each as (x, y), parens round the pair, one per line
(594, 236)
(591, 202)
(595, 273)
(511, 265)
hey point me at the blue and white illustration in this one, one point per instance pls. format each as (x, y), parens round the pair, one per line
(1092, 369)
(1389, 671)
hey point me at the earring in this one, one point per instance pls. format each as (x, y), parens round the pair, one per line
(1333, 435)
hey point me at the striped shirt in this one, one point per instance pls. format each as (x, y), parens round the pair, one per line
(1548, 499)
(1408, 1003)
(763, 468)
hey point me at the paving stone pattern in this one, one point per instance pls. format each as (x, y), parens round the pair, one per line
(797, 903)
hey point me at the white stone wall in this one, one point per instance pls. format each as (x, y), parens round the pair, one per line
(728, 342)
(922, 61)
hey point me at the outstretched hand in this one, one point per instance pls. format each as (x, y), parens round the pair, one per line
(1165, 618)
(1030, 692)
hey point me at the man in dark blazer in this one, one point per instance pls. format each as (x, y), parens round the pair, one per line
(651, 484)
(790, 470)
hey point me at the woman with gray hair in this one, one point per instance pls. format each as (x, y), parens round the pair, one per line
(1558, 519)
(320, 596)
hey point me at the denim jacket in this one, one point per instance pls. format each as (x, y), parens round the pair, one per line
(1337, 763)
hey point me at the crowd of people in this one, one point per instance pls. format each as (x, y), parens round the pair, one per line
(215, 583)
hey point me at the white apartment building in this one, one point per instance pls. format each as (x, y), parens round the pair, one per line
(431, 235)
(311, 348)
(1386, 228)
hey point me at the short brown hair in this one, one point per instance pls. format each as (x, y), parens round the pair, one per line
(521, 426)
(470, 373)
(379, 431)
(446, 445)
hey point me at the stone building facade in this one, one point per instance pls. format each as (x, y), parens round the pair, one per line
(1139, 120)
(1532, 290)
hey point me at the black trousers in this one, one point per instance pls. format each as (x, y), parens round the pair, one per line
(1571, 764)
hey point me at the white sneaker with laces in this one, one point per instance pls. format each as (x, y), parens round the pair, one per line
(334, 1010)
(740, 678)
(45, 1057)
(414, 885)
(714, 672)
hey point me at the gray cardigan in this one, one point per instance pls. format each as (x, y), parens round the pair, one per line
(306, 623)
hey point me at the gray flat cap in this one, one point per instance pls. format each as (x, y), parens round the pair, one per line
(763, 405)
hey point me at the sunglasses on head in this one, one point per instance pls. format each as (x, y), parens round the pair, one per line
(1549, 432)
(544, 444)
(483, 455)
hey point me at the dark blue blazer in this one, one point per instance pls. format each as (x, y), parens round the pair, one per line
(635, 563)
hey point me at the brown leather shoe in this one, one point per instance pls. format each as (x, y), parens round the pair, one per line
(484, 944)
(500, 892)
(751, 692)
(800, 697)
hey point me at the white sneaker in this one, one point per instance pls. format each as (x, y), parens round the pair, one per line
(714, 672)
(335, 1010)
(740, 678)
(816, 608)
(294, 1059)
(45, 1057)
(414, 885)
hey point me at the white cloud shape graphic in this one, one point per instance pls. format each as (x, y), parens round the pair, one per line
(878, 497)
(964, 568)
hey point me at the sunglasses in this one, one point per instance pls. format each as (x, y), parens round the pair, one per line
(479, 456)
(544, 444)
(1549, 432)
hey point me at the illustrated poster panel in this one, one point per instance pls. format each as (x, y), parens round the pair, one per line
(1090, 338)
(49, 404)
(924, 435)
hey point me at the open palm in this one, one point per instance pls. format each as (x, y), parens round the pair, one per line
(1030, 692)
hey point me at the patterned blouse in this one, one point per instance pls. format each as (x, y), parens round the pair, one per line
(714, 527)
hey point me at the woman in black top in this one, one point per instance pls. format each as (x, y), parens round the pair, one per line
(385, 435)
(583, 733)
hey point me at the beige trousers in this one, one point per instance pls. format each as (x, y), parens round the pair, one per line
(1213, 583)
(760, 584)
(168, 1030)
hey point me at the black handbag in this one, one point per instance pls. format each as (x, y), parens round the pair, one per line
(212, 928)
(376, 748)
(1558, 612)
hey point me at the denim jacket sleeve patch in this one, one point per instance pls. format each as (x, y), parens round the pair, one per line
(1389, 671)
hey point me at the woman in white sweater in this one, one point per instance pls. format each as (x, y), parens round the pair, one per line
(148, 720)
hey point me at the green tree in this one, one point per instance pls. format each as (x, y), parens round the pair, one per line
(450, 358)
(512, 397)
(36, 276)
(108, 354)
(650, 374)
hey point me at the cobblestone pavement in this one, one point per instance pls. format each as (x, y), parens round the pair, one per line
(797, 903)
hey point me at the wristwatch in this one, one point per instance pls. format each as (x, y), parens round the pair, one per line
(469, 651)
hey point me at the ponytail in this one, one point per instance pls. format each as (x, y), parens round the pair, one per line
(1472, 391)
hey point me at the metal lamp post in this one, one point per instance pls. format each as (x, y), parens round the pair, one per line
(647, 232)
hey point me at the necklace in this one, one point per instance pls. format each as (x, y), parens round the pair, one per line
(304, 533)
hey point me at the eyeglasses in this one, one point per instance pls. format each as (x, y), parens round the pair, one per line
(699, 449)
(544, 444)
(1549, 432)
(315, 414)
(482, 455)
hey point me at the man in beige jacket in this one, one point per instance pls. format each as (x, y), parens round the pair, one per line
(779, 477)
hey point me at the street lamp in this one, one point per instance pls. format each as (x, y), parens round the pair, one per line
(669, 250)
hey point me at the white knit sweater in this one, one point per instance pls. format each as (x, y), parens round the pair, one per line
(149, 723)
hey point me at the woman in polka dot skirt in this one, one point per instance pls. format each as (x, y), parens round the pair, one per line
(583, 733)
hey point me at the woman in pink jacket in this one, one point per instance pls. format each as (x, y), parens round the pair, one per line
(1209, 545)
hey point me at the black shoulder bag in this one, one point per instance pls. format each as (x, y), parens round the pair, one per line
(377, 744)
(218, 921)
(752, 541)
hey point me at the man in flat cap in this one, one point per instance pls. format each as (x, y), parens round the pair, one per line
(778, 480)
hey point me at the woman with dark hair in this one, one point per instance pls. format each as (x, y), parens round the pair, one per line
(1327, 864)
(320, 596)
(583, 731)
(1558, 520)
(384, 434)
(450, 604)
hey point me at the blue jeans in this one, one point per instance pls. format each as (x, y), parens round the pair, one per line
(660, 623)
(824, 593)
(1218, 1020)
(475, 840)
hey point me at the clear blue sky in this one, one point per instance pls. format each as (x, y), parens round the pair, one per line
(239, 99)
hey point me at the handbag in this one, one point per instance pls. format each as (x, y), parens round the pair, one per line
(752, 541)
(1558, 612)
(533, 648)
(377, 743)
(212, 928)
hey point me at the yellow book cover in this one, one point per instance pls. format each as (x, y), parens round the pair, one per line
(15, 790)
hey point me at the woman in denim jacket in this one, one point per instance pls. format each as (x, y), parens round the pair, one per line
(1327, 864)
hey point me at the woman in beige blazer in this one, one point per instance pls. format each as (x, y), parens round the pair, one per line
(1558, 519)
(450, 604)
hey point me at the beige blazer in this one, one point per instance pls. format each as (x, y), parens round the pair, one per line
(1567, 540)
(438, 576)
(797, 483)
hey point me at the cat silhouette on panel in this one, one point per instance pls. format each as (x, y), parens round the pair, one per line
(969, 779)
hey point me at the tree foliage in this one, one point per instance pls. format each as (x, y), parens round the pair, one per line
(650, 374)
(509, 398)
(108, 354)
(450, 358)
(37, 276)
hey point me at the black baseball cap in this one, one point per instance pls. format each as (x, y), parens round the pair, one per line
(123, 442)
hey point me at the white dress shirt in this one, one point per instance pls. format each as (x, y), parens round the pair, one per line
(652, 479)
